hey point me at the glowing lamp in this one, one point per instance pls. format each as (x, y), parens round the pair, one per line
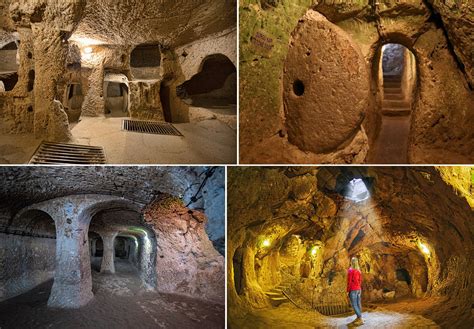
(424, 248)
(266, 243)
(314, 251)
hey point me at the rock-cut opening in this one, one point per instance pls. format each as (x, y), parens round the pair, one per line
(298, 88)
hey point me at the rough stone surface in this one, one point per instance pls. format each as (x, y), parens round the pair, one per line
(187, 262)
(322, 65)
(436, 32)
(171, 236)
(78, 42)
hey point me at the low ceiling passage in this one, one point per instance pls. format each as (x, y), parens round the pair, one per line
(293, 231)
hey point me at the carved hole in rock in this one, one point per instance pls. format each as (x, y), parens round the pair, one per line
(145, 61)
(28, 245)
(215, 86)
(73, 100)
(298, 88)
(31, 80)
(116, 99)
(165, 95)
(396, 69)
(237, 263)
(8, 66)
(299, 250)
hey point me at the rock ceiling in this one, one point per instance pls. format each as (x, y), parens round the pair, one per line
(169, 22)
(22, 186)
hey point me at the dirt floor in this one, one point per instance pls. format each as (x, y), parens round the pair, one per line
(119, 302)
(288, 316)
(210, 140)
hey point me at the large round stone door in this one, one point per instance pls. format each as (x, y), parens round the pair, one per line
(326, 86)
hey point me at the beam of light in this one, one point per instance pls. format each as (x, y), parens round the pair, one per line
(357, 190)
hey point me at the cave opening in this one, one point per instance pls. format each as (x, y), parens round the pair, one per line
(28, 245)
(396, 75)
(129, 251)
(215, 86)
(8, 66)
(295, 262)
(145, 62)
(117, 96)
(73, 100)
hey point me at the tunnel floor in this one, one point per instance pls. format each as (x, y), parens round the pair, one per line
(288, 316)
(124, 282)
(119, 302)
(207, 141)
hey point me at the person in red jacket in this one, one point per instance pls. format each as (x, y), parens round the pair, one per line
(354, 283)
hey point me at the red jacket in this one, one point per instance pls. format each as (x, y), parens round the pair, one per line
(354, 279)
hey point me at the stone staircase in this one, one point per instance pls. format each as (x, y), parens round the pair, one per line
(276, 295)
(391, 145)
(394, 103)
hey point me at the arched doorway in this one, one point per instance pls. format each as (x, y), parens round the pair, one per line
(8, 66)
(215, 86)
(28, 243)
(117, 95)
(128, 261)
(397, 78)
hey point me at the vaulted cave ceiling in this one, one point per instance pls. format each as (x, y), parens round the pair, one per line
(23, 186)
(169, 22)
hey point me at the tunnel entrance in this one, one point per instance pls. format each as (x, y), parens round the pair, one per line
(73, 100)
(397, 76)
(215, 86)
(8, 66)
(28, 245)
(117, 97)
(127, 263)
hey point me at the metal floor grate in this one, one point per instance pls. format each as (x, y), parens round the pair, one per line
(150, 127)
(59, 153)
(333, 309)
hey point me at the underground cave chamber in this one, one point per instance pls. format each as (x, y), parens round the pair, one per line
(67, 79)
(91, 239)
(288, 253)
(313, 90)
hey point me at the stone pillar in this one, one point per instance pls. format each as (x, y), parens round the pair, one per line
(51, 23)
(108, 257)
(72, 286)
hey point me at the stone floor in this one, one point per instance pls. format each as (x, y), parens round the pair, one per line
(206, 141)
(119, 302)
(287, 316)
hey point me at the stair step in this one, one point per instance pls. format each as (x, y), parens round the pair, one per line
(392, 85)
(395, 104)
(397, 97)
(273, 293)
(392, 90)
(396, 112)
(278, 298)
(396, 78)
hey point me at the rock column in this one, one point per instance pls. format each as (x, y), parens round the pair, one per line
(108, 265)
(72, 286)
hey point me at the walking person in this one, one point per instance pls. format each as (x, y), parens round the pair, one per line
(354, 290)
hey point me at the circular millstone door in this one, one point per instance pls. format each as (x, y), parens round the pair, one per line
(326, 85)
